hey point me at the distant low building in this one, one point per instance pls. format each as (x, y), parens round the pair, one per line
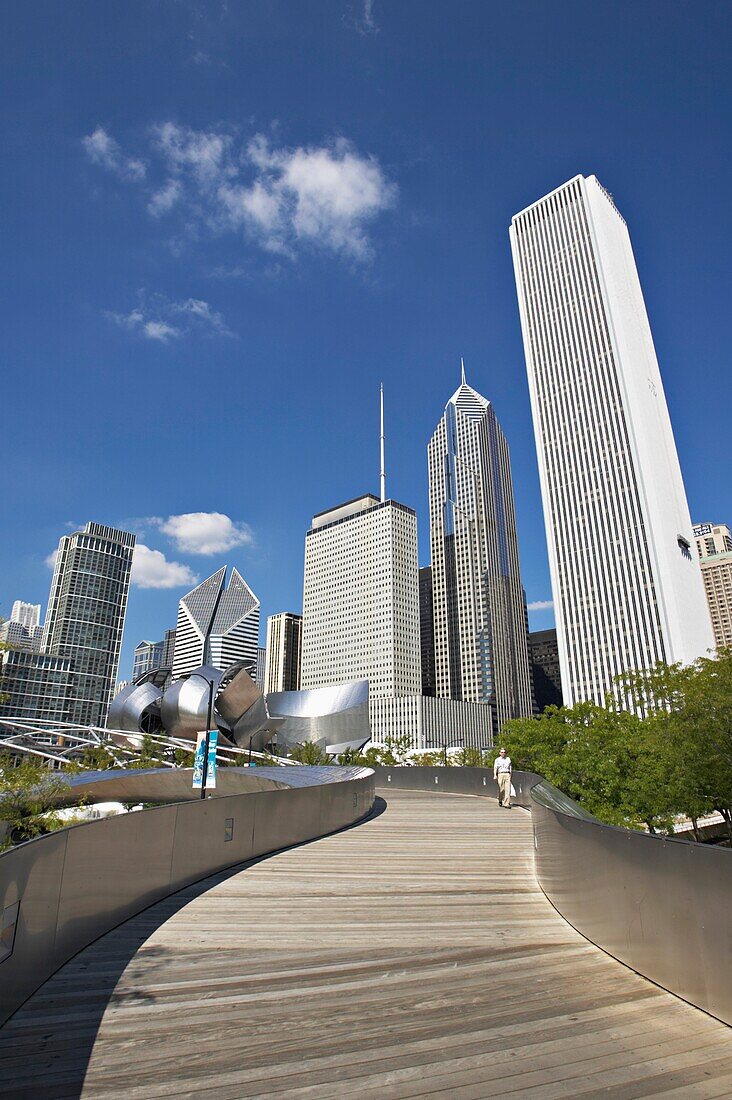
(36, 686)
(544, 655)
(18, 636)
(148, 656)
(431, 723)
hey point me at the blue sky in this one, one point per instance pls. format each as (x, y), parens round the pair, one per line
(224, 224)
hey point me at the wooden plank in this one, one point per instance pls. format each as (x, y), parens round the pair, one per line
(413, 955)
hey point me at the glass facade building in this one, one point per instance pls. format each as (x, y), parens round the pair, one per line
(86, 614)
(479, 606)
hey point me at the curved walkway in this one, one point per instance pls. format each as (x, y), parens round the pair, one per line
(411, 955)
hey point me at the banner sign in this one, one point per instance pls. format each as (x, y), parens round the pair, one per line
(198, 761)
(213, 740)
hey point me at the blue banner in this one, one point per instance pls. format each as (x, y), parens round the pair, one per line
(213, 740)
(198, 761)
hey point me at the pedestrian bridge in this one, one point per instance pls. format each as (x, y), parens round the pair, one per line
(411, 954)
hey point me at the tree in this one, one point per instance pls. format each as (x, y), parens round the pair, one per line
(29, 792)
(310, 753)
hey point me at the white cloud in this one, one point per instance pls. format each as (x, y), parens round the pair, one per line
(104, 150)
(165, 198)
(362, 20)
(541, 605)
(205, 532)
(151, 569)
(159, 318)
(324, 196)
(50, 561)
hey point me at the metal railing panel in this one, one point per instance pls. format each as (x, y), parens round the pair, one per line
(78, 883)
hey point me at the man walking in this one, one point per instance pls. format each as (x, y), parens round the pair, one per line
(502, 774)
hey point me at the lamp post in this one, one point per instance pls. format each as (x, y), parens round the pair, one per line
(208, 734)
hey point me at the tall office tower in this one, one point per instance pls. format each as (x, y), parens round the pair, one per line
(168, 649)
(361, 598)
(148, 656)
(712, 539)
(261, 663)
(480, 622)
(426, 631)
(27, 614)
(86, 614)
(627, 590)
(284, 646)
(545, 671)
(217, 625)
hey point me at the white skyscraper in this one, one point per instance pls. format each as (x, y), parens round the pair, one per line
(361, 598)
(626, 584)
(217, 625)
(27, 614)
(479, 607)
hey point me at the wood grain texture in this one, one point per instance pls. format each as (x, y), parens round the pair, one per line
(412, 955)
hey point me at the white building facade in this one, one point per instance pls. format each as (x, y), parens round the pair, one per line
(626, 584)
(423, 722)
(361, 599)
(712, 538)
(217, 625)
(27, 614)
(479, 606)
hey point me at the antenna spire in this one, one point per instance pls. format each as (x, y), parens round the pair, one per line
(383, 470)
(462, 370)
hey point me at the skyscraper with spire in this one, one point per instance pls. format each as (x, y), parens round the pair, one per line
(480, 621)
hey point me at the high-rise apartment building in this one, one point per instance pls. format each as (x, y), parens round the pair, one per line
(426, 631)
(148, 656)
(545, 670)
(712, 538)
(217, 625)
(716, 571)
(284, 647)
(480, 621)
(86, 614)
(27, 614)
(627, 590)
(361, 598)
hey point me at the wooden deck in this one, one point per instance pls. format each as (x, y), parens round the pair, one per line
(412, 955)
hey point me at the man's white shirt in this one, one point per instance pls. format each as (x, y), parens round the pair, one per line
(502, 764)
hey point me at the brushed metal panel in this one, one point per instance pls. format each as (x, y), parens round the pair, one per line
(113, 868)
(201, 847)
(31, 874)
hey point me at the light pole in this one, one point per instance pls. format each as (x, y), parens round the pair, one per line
(208, 734)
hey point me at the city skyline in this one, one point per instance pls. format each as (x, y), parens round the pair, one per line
(113, 304)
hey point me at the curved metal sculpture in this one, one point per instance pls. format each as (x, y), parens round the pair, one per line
(241, 710)
(136, 709)
(335, 717)
(184, 706)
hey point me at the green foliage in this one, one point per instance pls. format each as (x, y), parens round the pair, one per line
(660, 747)
(310, 753)
(28, 793)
